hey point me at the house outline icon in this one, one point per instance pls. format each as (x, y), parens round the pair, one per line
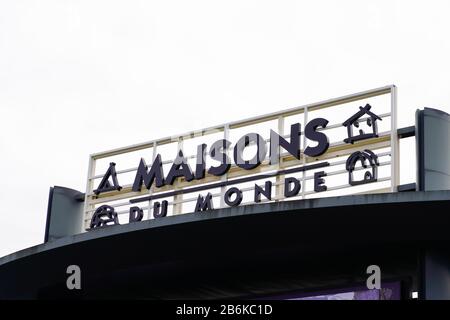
(103, 217)
(363, 157)
(353, 121)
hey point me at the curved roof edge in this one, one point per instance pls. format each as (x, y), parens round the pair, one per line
(286, 206)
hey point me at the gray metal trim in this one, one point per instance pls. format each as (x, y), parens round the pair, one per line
(286, 206)
(406, 132)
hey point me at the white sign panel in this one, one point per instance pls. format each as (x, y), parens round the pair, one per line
(341, 146)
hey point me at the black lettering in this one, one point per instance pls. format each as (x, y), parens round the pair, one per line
(267, 191)
(204, 204)
(155, 173)
(160, 209)
(201, 162)
(230, 193)
(321, 138)
(180, 168)
(293, 147)
(319, 182)
(288, 192)
(218, 152)
(260, 153)
(136, 214)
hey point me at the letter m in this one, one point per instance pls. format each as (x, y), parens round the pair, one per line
(143, 175)
(204, 204)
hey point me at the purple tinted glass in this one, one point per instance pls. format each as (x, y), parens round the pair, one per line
(388, 291)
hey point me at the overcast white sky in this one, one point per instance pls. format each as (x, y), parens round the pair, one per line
(78, 77)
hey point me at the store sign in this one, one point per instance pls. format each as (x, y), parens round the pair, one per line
(269, 150)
